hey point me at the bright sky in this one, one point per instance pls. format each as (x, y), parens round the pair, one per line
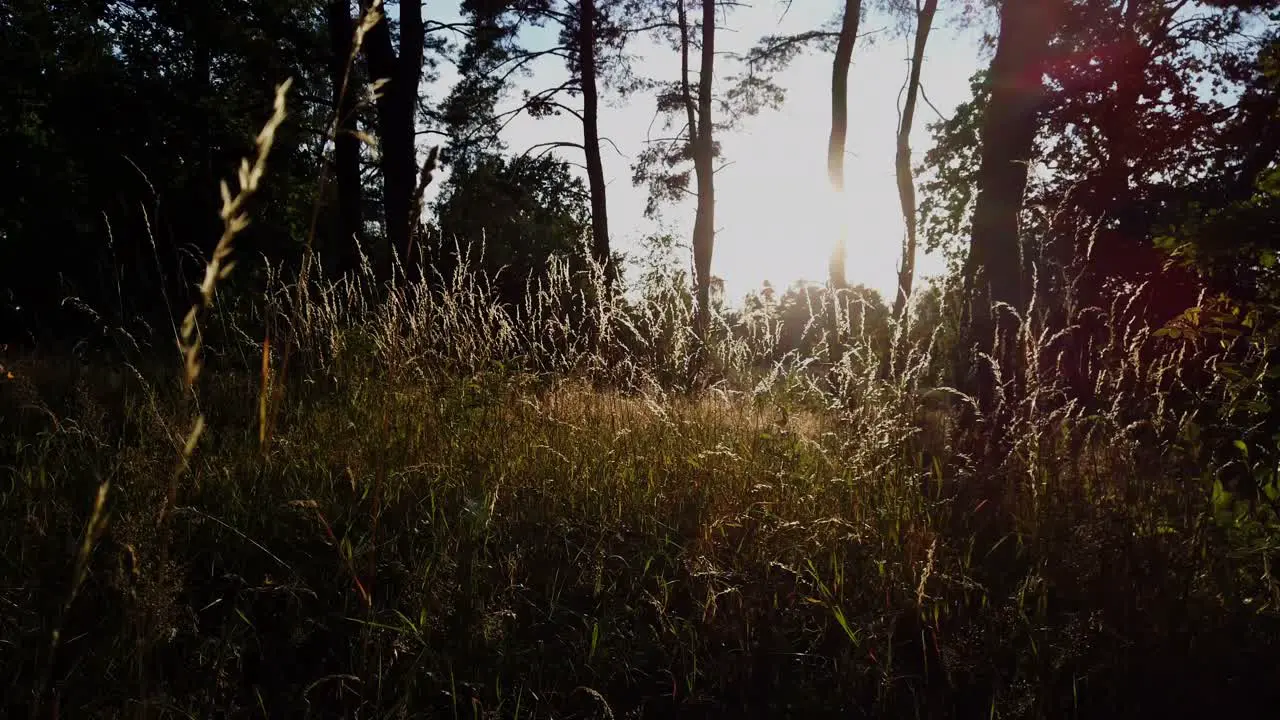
(776, 217)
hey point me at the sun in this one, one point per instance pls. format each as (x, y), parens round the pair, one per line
(781, 222)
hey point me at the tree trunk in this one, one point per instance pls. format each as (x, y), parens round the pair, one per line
(591, 140)
(703, 158)
(840, 127)
(902, 160)
(397, 124)
(346, 256)
(993, 271)
(701, 143)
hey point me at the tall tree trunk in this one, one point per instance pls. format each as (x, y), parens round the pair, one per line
(397, 123)
(346, 256)
(704, 229)
(701, 142)
(591, 139)
(902, 159)
(993, 270)
(840, 127)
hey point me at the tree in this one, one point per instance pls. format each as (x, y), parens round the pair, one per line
(704, 151)
(668, 165)
(342, 31)
(122, 116)
(993, 272)
(804, 311)
(775, 52)
(1227, 230)
(1138, 96)
(586, 66)
(586, 28)
(840, 123)
(521, 209)
(399, 69)
(1255, 135)
(902, 157)
(950, 171)
(1154, 109)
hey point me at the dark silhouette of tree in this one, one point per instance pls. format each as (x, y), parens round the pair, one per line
(590, 38)
(950, 171)
(704, 151)
(511, 214)
(775, 52)
(345, 87)
(1226, 232)
(586, 66)
(993, 272)
(118, 121)
(1142, 114)
(665, 164)
(398, 69)
(902, 156)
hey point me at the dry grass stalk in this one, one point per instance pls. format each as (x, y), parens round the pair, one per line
(234, 220)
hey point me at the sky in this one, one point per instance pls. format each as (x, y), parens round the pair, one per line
(776, 217)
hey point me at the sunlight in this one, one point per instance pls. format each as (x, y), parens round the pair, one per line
(778, 218)
(781, 233)
(783, 229)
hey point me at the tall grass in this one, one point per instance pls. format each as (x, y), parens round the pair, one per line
(465, 507)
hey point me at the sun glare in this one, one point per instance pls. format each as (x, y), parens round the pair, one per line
(784, 230)
(778, 218)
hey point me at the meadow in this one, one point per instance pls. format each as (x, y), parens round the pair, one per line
(417, 502)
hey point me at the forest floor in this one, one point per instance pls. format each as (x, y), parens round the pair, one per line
(503, 546)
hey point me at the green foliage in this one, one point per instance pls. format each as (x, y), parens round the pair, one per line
(1234, 246)
(516, 211)
(950, 170)
(1233, 249)
(118, 120)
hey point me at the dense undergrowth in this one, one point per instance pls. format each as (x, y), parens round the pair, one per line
(418, 503)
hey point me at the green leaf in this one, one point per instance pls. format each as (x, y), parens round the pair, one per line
(1221, 498)
(839, 615)
(1271, 490)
